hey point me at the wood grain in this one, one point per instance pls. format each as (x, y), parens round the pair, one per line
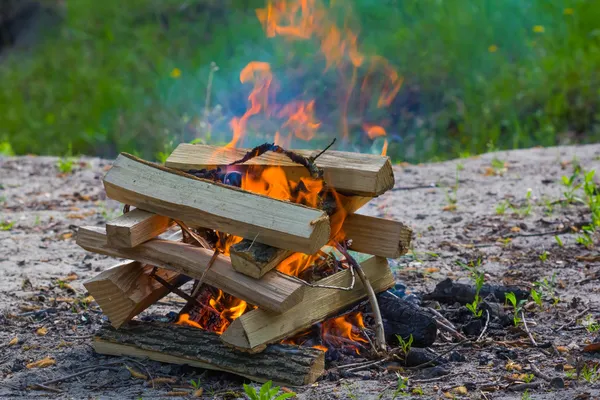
(275, 291)
(350, 173)
(125, 290)
(257, 328)
(176, 344)
(377, 236)
(200, 202)
(135, 227)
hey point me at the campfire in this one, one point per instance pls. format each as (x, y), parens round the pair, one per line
(282, 265)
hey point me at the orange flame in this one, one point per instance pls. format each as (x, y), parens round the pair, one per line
(218, 313)
(339, 47)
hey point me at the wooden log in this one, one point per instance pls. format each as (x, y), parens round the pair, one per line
(377, 236)
(370, 235)
(351, 173)
(125, 290)
(256, 259)
(257, 328)
(275, 291)
(201, 202)
(135, 227)
(177, 344)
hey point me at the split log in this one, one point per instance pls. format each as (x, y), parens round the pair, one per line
(201, 202)
(257, 328)
(406, 319)
(177, 344)
(370, 235)
(256, 259)
(275, 291)
(351, 173)
(377, 236)
(125, 290)
(135, 227)
(451, 292)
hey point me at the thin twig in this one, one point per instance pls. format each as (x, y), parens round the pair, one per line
(316, 285)
(201, 280)
(527, 330)
(450, 330)
(538, 373)
(39, 386)
(144, 367)
(439, 355)
(82, 372)
(487, 321)
(323, 151)
(441, 317)
(201, 241)
(574, 320)
(371, 364)
(379, 330)
(437, 378)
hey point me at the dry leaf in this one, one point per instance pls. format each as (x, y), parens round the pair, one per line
(513, 366)
(75, 216)
(431, 270)
(135, 374)
(177, 394)
(198, 392)
(28, 307)
(66, 236)
(448, 395)
(163, 380)
(43, 363)
(41, 331)
(562, 349)
(30, 347)
(449, 207)
(71, 277)
(460, 390)
(13, 341)
(568, 367)
(591, 348)
(515, 229)
(88, 299)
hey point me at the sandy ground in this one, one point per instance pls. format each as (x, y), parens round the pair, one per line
(43, 269)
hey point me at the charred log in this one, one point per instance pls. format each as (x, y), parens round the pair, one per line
(450, 292)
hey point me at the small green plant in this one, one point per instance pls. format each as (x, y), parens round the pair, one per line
(537, 297)
(501, 207)
(401, 388)
(168, 148)
(544, 256)
(526, 395)
(528, 378)
(517, 306)
(405, 345)
(266, 392)
(525, 210)
(6, 225)
(590, 324)
(559, 241)
(452, 197)
(571, 185)
(547, 288)
(37, 220)
(498, 165)
(590, 374)
(65, 164)
(460, 166)
(585, 237)
(418, 391)
(478, 277)
(195, 383)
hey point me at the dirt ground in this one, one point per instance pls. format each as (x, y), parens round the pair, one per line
(474, 211)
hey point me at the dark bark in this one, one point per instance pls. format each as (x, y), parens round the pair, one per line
(285, 364)
(404, 319)
(451, 292)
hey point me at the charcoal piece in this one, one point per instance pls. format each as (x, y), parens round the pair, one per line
(473, 328)
(418, 356)
(450, 292)
(455, 356)
(433, 372)
(404, 319)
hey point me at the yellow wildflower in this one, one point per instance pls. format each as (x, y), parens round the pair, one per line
(539, 29)
(493, 48)
(176, 73)
(568, 11)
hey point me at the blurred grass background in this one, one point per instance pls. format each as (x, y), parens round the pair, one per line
(109, 76)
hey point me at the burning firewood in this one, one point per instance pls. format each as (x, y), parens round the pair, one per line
(350, 173)
(369, 235)
(216, 206)
(255, 329)
(178, 344)
(275, 291)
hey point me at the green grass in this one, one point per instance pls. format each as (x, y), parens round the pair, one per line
(479, 75)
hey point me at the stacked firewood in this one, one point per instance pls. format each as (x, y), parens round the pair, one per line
(198, 192)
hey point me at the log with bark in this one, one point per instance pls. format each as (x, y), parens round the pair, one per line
(135, 227)
(127, 289)
(448, 291)
(275, 291)
(369, 235)
(200, 202)
(350, 173)
(257, 328)
(177, 344)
